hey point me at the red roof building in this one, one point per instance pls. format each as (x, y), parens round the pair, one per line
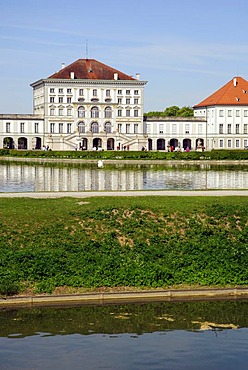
(90, 69)
(226, 115)
(90, 105)
(235, 92)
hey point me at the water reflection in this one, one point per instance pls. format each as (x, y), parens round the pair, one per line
(21, 178)
(136, 336)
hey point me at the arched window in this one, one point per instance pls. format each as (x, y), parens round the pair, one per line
(81, 112)
(108, 112)
(94, 112)
(94, 127)
(107, 127)
(81, 127)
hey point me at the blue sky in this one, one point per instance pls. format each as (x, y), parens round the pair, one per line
(185, 49)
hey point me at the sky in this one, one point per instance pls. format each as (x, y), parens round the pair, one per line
(184, 49)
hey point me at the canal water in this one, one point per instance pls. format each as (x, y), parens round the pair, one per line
(47, 177)
(166, 335)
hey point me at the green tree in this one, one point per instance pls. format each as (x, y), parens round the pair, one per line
(171, 111)
(185, 112)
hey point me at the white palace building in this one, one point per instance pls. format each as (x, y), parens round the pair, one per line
(88, 105)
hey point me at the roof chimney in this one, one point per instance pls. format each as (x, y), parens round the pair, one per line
(62, 65)
(235, 82)
(72, 75)
(115, 76)
(137, 76)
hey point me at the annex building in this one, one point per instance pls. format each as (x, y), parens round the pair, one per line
(88, 105)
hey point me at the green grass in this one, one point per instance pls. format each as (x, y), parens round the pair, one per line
(142, 242)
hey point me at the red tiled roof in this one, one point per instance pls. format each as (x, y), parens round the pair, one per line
(90, 69)
(235, 92)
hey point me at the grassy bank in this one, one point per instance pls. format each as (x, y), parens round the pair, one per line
(112, 242)
(143, 155)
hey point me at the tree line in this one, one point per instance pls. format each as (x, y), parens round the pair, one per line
(173, 111)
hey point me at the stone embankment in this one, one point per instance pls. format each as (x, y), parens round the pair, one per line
(126, 297)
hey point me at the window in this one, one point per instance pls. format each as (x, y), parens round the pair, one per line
(148, 128)
(68, 91)
(229, 128)
(229, 143)
(136, 113)
(68, 128)
(7, 126)
(95, 92)
(237, 143)
(119, 113)
(36, 127)
(187, 128)
(237, 129)
(135, 128)
(221, 143)
(221, 128)
(68, 99)
(52, 112)
(69, 112)
(60, 128)
(128, 101)
(237, 113)
(128, 92)
(128, 113)
(200, 129)
(174, 128)
(119, 100)
(107, 92)
(245, 128)
(94, 112)
(61, 112)
(119, 127)
(161, 128)
(221, 113)
(245, 113)
(94, 128)
(52, 127)
(136, 101)
(51, 99)
(136, 92)
(81, 112)
(81, 127)
(108, 112)
(60, 99)
(60, 91)
(108, 127)
(127, 128)
(119, 92)
(245, 142)
(52, 91)
(22, 125)
(81, 92)
(229, 113)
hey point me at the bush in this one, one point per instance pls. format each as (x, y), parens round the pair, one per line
(121, 155)
(8, 288)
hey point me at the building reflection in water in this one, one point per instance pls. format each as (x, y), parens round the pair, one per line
(20, 178)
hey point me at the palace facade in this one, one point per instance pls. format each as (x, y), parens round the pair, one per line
(88, 105)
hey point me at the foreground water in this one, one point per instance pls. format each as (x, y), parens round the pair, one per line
(189, 335)
(45, 177)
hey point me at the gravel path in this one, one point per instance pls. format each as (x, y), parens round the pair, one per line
(87, 194)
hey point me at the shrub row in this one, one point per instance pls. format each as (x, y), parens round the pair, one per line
(144, 155)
